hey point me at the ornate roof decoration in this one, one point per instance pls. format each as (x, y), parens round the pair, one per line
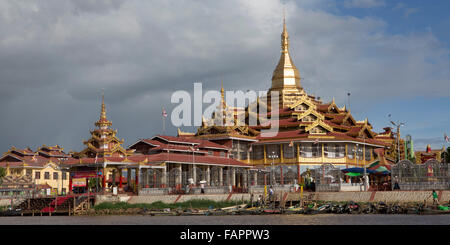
(319, 123)
(103, 141)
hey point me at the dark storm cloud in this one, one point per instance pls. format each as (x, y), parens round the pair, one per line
(57, 56)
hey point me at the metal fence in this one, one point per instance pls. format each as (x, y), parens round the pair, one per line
(431, 175)
(327, 178)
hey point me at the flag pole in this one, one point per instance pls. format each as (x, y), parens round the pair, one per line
(164, 114)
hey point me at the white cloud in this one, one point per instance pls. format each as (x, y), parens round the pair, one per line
(64, 52)
(364, 3)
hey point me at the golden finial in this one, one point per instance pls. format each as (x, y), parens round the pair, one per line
(284, 37)
(103, 112)
(222, 94)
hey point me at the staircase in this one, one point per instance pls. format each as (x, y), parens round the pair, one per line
(63, 205)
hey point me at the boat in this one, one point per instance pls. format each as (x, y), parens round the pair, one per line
(293, 210)
(271, 211)
(11, 212)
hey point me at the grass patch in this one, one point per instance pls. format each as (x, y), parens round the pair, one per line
(197, 203)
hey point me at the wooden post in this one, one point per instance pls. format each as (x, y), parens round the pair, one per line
(281, 175)
(120, 179)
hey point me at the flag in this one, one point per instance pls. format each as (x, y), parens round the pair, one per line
(164, 113)
(96, 158)
(250, 149)
(316, 141)
(446, 138)
(291, 144)
(34, 157)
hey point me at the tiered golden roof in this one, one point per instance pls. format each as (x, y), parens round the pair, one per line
(103, 141)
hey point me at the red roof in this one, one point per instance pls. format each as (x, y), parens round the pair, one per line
(182, 158)
(187, 141)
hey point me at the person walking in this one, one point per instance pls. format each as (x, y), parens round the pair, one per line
(435, 197)
(396, 186)
(271, 194)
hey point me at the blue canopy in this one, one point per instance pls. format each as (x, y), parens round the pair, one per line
(358, 170)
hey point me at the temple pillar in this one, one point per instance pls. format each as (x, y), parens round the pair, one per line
(113, 181)
(346, 156)
(136, 181)
(233, 177)
(299, 177)
(265, 154)
(128, 178)
(155, 185)
(220, 176)
(281, 176)
(323, 153)
(164, 177)
(281, 154)
(255, 176)
(244, 178)
(70, 183)
(208, 175)
(104, 179)
(194, 174)
(120, 180)
(179, 176)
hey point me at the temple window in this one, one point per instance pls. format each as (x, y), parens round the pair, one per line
(243, 156)
(46, 175)
(273, 149)
(210, 153)
(29, 172)
(317, 130)
(351, 151)
(359, 153)
(310, 150)
(301, 107)
(367, 154)
(316, 150)
(309, 118)
(258, 152)
(64, 176)
(222, 154)
(55, 175)
(37, 175)
(289, 152)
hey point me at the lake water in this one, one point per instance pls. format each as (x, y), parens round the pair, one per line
(322, 219)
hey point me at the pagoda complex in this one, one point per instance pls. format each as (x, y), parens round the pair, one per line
(310, 132)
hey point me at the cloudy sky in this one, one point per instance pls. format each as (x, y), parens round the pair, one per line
(56, 57)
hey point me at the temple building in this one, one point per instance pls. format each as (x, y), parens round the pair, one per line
(423, 156)
(41, 168)
(161, 164)
(310, 132)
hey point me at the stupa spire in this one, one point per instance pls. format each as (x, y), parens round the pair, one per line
(103, 121)
(285, 74)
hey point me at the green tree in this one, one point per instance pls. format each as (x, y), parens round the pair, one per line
(446, 155)
(2, 174)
